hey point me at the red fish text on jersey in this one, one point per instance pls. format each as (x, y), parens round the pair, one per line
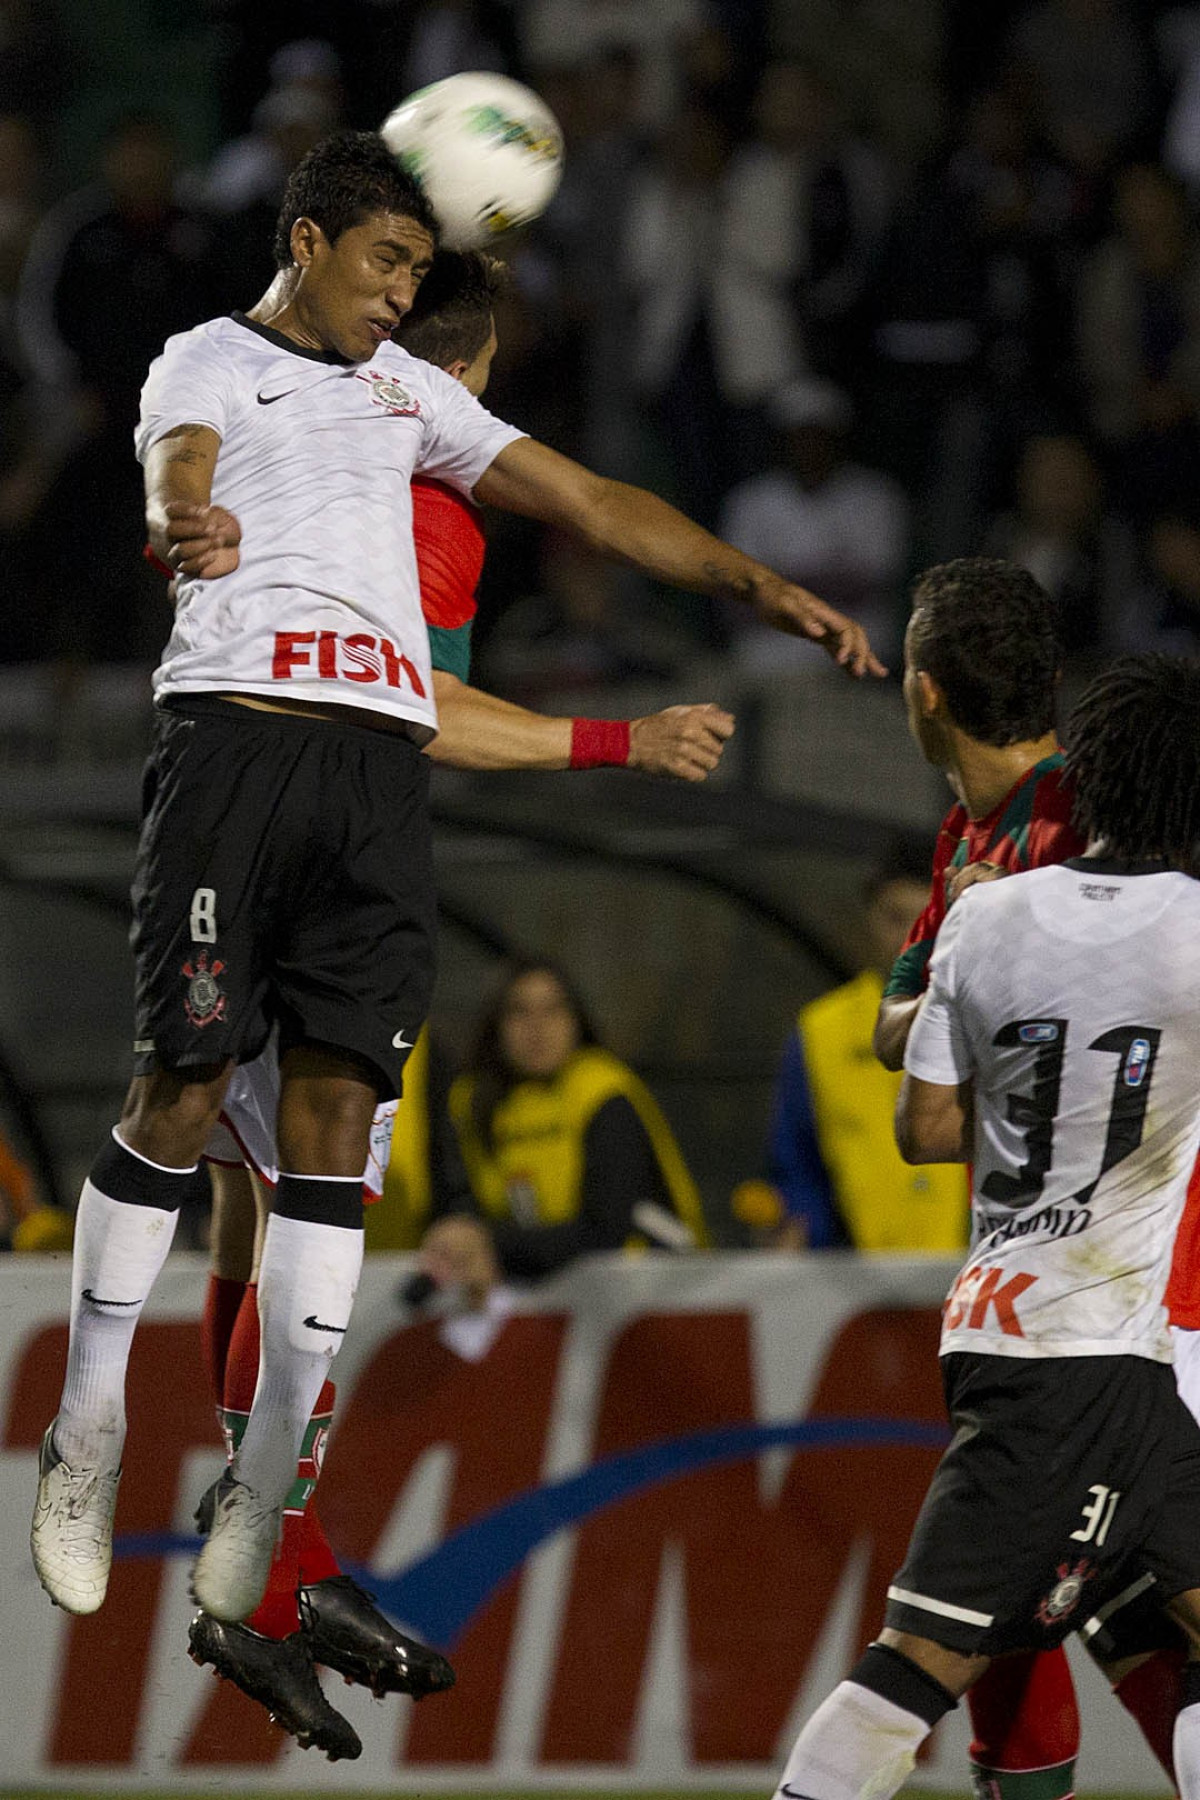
(979, 1288)
(359, 657)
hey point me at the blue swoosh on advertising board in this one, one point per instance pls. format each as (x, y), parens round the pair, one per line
(439, 1594)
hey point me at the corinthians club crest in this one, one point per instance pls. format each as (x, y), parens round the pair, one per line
(205, 998)
(1065, 1595)
(391, 394)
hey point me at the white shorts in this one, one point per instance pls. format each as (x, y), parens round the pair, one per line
(1186, 1346)
(245, 1129)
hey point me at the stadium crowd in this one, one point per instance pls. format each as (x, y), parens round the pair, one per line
(877, 284)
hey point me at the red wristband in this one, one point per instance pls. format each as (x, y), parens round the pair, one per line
(599, 742)
(156, 562)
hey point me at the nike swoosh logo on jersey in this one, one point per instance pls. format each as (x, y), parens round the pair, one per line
(97, 1301)
(314, 1324)
(270, 399)
(793, 1793)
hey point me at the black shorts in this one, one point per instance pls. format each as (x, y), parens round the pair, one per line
(1067, 1481)
(284, 874)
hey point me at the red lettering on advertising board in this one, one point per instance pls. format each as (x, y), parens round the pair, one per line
(759, 1575)
(105, 1669)
(495, 1416)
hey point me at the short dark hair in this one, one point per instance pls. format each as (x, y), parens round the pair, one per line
(451, 317)
(905, 857)
(494, 1076)
(985, 631)
(1133, 750)
(343, 179)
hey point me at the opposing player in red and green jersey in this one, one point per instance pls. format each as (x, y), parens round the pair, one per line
(982, 666)
(981, 671)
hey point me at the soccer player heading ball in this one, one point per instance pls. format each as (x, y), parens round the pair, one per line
(284, 874)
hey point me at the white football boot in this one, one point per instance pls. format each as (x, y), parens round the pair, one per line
(71, 1537)
(230, 1576)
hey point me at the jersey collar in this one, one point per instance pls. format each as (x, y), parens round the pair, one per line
(286, 343)
(1116, 865)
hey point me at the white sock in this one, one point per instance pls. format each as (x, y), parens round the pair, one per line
(856, 1746)
(306, 1284)
(119, 1250)
(1186, 1747)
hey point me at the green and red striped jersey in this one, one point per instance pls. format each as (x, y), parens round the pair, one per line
(1029, 828)
(448, 536)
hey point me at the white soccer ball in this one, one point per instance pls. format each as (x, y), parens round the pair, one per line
(487, 151)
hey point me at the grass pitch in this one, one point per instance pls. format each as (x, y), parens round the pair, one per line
(416, 1793)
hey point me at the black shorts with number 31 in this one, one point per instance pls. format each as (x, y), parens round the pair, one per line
(1068, 1481)
(284, 875)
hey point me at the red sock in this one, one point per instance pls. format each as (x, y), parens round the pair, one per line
(1151, 1693)
(221, 1303)
(317, 1561)
(1025, 1720)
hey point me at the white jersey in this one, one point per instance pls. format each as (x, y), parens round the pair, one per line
(245, 1129)
(1071, 997)
(315, 461)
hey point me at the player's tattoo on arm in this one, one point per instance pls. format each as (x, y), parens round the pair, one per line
(184, 445)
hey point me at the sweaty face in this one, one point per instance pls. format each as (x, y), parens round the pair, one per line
(354, 292)
(538, 1028)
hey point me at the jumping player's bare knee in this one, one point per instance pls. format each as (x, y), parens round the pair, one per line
(169, 1113)
(326, 1104)
(951, 1668)
(236, 1225)
(1185, 1610)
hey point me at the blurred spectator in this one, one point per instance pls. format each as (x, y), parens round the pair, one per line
(425, 1178)
(805, 208)
(21, 180)
(887, 56)
(567, 33)
(35, 63)
(1059, 530)
(566, 1150)
(837, 1176)
(823, 521)
(112, 272)
(244, 185)
(670, 264)
(25, 1223)
(1168, 617)
(27, 441)
(1178, 36)
(579, 632)
(449, 35)
(1139, 338)
(970, 342)
(252, 171)
(1088, 74)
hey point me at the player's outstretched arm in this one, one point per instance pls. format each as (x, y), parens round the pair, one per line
(186, 531)
(480, 731)
(638, 528)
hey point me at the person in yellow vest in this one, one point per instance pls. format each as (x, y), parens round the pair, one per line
(424, 1177)
(837, 1178)
(565, 1148)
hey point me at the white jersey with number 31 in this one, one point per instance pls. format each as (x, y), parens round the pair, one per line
(1070, 996)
